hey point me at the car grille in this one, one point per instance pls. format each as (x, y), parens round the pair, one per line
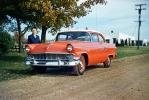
(51, 56)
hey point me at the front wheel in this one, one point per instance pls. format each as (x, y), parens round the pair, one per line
(107, 63)
(80, 68)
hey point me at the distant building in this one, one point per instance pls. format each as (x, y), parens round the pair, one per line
(120, 39)
(145, 42)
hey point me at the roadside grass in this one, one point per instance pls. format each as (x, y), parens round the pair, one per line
(131, 51)
(12, 67)
(12, 64)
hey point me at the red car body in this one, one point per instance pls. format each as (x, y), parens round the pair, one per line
(72, 48)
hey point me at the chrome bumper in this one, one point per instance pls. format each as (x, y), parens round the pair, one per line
(52, 59)
(49, 63)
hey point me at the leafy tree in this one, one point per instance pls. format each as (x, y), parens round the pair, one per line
(6, 42)
(53, 14)
(10, 10)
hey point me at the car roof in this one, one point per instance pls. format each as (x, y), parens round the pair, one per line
(93, 31)
(89, 31)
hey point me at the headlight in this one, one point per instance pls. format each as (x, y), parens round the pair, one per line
(69, 48)
(29, 58)
(27, 49)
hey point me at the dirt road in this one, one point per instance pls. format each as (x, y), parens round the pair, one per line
(127, 79)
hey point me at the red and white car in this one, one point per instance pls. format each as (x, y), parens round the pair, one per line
(76, 49)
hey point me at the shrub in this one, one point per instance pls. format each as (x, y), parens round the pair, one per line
(6, 42)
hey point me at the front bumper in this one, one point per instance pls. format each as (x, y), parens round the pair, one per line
(51, 63)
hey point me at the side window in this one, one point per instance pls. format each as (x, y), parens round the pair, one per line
(61, 37)
(95, 38)
(101, 38)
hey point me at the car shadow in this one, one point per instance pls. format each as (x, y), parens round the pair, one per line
(64, 71)
(67, 71)
(94, 67)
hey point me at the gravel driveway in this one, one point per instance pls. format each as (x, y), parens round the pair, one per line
(127, 79)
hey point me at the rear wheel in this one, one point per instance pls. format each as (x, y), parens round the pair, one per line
(107, 63)
(80, 68)
(39, 69)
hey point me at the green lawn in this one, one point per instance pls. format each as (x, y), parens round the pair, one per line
(12, 65)
(131, 51)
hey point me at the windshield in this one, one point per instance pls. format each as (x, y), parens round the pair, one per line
(67, 36)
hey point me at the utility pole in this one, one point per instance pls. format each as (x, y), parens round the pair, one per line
(139, 21)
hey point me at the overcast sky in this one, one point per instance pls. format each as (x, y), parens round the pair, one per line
(117, 15)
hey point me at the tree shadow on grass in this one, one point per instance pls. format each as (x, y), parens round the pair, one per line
(9, 74)
(22, 72)
(14, 58)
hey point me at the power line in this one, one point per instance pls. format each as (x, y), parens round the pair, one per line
(140, 8)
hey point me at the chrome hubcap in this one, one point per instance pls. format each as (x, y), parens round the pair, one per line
(82, 67)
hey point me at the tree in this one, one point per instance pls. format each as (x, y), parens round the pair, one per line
(10, 10)
(53, 14)
(16, 39)
(6, 42)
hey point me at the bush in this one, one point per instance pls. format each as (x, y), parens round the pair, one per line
(6, 42)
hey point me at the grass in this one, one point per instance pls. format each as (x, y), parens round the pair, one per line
(131, 51)
(12, 65)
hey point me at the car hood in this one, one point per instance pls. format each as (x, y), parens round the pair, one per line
(53, 47)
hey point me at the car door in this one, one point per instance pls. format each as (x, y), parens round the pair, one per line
(98, 48)
(102, 48)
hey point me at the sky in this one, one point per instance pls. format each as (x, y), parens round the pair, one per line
(116, 15)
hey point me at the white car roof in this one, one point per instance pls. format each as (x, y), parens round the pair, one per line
(80, 31)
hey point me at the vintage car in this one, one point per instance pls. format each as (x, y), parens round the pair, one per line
(76, 49)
